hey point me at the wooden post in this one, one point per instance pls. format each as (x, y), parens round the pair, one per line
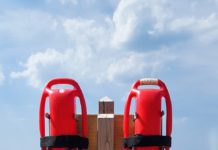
(106, 124)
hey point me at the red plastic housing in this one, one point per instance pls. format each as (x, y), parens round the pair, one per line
(148, 110)
(62, 109)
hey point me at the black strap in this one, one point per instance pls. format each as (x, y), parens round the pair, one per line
(145, 141)
(65, 141)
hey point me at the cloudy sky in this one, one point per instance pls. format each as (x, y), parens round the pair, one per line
(106, 46)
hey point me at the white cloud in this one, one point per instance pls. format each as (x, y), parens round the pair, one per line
(135, 64)
(87, 32)
(24, 25)
(132, 63)
(138, 19)
(204, 29)
(89, 64)
(133, 15)
(92, 57)
(36, 63)
(100, 49)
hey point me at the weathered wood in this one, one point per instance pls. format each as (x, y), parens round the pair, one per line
(105, 130)
(92, 130)
(118, 130)
(105, 133)
(106, 124)
(106, 106)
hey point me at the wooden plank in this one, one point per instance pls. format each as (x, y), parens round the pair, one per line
(106, 124)
(105, 133)
(118, 130)
(92, 130)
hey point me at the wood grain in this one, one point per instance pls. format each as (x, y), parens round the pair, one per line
(117, 133)
(105, 133)
(106, 125)
(92, 130)
(106, 107)
(118, 130)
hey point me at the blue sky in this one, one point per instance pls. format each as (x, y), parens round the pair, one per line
(106, 46)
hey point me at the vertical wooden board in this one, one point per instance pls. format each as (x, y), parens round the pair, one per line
(106, 107)
(92, 130)
(118, 130)
(106, 134)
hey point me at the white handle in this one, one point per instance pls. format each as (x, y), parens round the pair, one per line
(149, 81)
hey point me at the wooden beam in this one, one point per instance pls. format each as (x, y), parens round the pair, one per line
(106, 124)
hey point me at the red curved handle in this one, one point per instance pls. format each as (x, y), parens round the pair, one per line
(126, 114)
(166, 95)
(46, 94)
(84, 115)
(42, 113)
(62, 81)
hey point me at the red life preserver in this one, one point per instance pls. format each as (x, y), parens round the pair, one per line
(62, 123)
(148, 122)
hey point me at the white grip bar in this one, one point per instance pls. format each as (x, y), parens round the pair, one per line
(149, 81)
